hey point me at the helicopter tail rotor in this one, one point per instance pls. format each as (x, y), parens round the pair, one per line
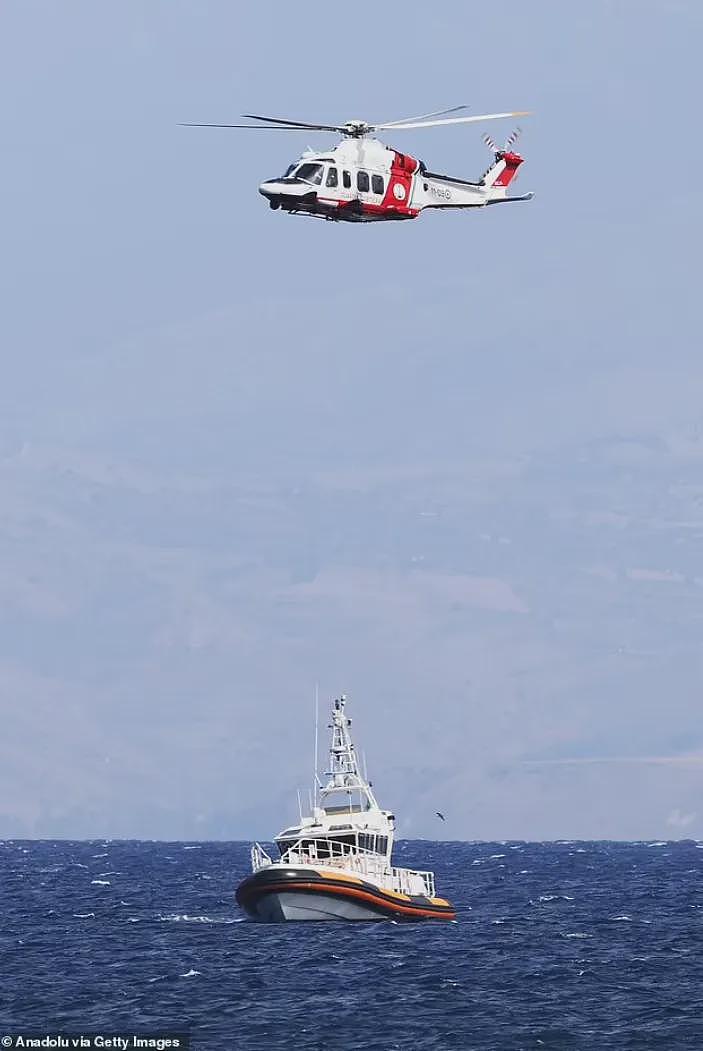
(507, 145)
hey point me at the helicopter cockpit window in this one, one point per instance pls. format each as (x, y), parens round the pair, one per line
(331, 177)
(377, 183)
(362, 182)
(310, 173)
(289, 171)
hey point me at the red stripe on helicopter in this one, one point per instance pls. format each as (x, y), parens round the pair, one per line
(512, 163)
(399, 189)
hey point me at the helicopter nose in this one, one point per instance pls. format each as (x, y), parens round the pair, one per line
(267, 189)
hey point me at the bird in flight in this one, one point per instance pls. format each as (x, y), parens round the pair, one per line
(439, 815)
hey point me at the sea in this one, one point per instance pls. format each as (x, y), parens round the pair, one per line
(556, 946)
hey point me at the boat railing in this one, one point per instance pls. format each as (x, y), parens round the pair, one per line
(259, 858)
(414, 881)
(355, 859)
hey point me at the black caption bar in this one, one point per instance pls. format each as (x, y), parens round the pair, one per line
(106, 1041)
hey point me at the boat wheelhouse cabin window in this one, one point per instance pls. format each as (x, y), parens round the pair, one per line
(375, 844)
(341, 801)
(346, 180)
(377, 183)
(345, 808)
(362, 182)
(331, 177)
(310, 173)
(322, 847)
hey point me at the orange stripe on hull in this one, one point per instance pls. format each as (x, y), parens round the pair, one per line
(338, 875)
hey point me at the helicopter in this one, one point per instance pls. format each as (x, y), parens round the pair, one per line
(361, 180)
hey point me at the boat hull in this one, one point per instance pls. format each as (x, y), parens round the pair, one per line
(278, 894)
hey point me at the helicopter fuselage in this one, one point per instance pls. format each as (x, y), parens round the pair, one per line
(362, 180)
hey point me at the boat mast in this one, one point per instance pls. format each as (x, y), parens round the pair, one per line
(344, 773)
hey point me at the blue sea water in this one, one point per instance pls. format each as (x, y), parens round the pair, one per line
(557, 946)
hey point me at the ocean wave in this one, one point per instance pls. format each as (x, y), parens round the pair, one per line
(185, 918)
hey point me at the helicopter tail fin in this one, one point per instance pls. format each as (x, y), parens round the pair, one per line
(503, 170)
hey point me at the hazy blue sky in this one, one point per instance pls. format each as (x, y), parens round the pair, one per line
(453, 467)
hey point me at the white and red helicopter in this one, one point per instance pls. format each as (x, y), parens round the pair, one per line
(362, 180)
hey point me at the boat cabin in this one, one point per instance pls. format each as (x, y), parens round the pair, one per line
(346, 819)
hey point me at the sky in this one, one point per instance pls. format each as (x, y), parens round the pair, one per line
(451, 467)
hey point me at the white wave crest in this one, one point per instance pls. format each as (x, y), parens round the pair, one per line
(185, 918)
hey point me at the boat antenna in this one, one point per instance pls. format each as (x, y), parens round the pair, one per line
(317, 709)
(300, 806)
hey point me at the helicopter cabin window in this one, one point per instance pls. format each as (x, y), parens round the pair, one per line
(310, 173)
(377, 183)
(362, 182)
(331, 177)
(346, 180)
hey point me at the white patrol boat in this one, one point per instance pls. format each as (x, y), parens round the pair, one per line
(336, 864)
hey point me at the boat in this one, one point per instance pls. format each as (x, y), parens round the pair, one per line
(336, 863)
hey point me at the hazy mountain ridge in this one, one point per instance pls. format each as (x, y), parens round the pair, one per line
(129, 593)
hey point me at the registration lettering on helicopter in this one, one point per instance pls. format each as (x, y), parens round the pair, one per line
(441, 192)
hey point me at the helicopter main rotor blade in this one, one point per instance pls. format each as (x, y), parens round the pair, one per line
(303, 125)
(423, 116)
(451, 120)
(250, 127)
